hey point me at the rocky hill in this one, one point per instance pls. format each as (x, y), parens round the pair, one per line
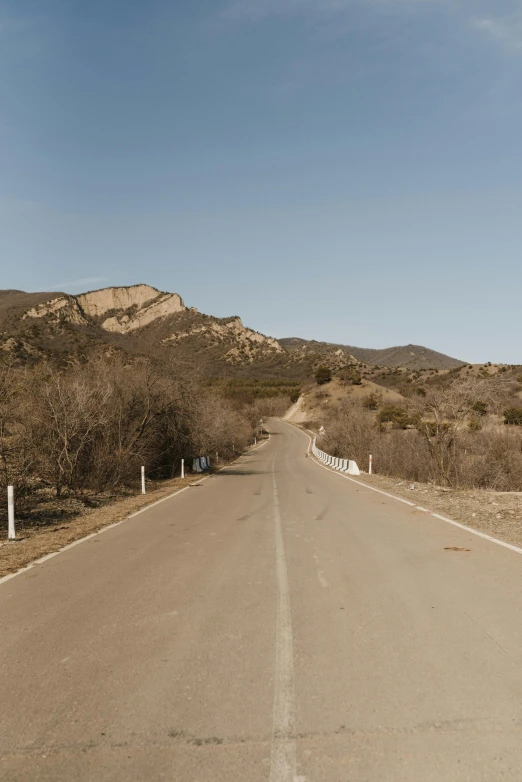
(142, 319)
(137, 319)
(412, 357)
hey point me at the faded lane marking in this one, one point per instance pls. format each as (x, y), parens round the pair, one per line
(283, 756)
(322, 579)
(320, 574)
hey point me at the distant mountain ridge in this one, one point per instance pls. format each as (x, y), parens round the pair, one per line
(142, 319)
(408, 356)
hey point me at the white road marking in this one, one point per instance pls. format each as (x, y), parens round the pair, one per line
(472, 531)
(43, 559)
(322, 579)
(320, 574)
(283, 758)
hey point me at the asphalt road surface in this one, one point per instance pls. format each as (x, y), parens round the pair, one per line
(278, 623)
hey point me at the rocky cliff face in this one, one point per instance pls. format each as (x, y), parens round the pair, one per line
(114, 309)
(129, 308)
(63, 308)
(244, 345)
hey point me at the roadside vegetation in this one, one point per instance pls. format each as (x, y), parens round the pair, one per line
(76, 436)
(462, 431)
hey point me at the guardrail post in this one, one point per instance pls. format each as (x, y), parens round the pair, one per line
(11, 532)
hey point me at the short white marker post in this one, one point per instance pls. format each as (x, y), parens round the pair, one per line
(255, 440)
(370, 467)
(217, 457)
(11, 533)
(183, 468)
(143, 480)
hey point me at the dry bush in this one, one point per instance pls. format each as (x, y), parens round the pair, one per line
(442, 448)
(90, 426)
(217, 427)
(266, 408)
(17, 457)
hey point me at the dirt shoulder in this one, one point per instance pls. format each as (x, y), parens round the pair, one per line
(495, 513)
(35, 542)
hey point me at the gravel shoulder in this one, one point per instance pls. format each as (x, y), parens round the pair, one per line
(496, 513)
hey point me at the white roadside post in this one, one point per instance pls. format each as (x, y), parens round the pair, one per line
(255, 440)
(183, 468)
(143, 480)
(370, 465)
(11, 534)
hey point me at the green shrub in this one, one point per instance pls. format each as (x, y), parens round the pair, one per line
(372, 401)
(351, 376)
(396, 415)
(475, 424)
(513, 416)
(323, 375)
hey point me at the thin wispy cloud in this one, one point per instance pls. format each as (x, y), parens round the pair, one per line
(506, 30)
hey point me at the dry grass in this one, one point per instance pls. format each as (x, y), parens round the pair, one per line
(318, 399)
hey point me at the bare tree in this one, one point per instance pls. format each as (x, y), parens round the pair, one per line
(444, 417)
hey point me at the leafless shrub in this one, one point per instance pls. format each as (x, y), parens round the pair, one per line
(91, 426)
(17, 458)
(442, 447)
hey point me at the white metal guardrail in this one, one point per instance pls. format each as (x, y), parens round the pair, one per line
(343, 465)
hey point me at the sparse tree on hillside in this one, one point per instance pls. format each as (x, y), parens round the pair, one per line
(323, 375)
(445, 414)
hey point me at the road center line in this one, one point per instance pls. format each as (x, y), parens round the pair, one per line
(283, 759)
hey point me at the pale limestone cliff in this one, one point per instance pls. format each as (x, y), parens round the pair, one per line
(146, 304)
(130, 308)
(123, 310)
(97, 303)
(63, 308)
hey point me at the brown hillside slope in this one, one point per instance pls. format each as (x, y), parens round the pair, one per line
(409, 356)
(142, 319)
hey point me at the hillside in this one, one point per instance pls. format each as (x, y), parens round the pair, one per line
(140, 319)
(137, 319)
(413, 357)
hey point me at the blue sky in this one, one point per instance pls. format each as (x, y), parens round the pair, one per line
(344, 170)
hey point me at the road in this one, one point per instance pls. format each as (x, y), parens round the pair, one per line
(278, 623)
